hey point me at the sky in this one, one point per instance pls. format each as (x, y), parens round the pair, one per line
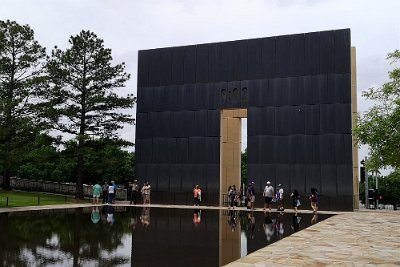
(127, 26)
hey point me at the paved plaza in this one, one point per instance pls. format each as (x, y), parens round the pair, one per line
(347, 239)
(361, 238)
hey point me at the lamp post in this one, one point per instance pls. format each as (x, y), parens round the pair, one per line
(366, 183)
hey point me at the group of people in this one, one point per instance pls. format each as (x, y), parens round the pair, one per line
(108, 191)
(234, 196)
(133, 192)
(271, 196)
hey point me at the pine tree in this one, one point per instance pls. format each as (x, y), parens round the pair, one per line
(21, 72)
(81, 97)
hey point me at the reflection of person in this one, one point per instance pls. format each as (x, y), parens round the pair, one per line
(95, 216)
(105, 192)
(268, 195)
(232, 220)
(279, 198)
(134, 220)
(96, 193)
(196, 217)
(296, 222)
(251, 222)
(134, 192)
(280, 230)
(314, 199)
(295, 199)
(314, 218)
(145, 217)
(110, 215)
(197, 195)
(268, 226)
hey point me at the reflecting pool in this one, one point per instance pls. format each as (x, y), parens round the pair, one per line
(135, 236)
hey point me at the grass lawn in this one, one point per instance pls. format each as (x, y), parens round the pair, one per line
(22, 199)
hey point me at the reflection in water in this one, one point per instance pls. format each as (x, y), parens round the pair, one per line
(268, 226)
(120, 236)
(110, 214)
(296, 222)
(251, 223)
(314, 218)
(232, 219)
(196, 217)
(95, 217)
(279, 228)
(145, 217)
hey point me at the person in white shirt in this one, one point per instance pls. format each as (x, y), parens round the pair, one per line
(268, 195)
(279, 198)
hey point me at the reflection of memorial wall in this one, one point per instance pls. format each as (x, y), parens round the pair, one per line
(172, 234)
(297, 93)
(229, 237)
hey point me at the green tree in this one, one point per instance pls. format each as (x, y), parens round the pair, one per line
(81, 98)
(389, 188)
(21, 72)
(379, 127)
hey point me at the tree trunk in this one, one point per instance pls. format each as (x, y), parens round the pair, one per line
(81, 141)
(77, 237)
(79, 180)
(6, 179)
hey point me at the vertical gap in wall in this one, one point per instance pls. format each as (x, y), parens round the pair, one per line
(243, 160)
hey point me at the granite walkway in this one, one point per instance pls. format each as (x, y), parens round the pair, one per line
(347, 239)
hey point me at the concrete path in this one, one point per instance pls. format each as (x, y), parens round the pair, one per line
(348, 239)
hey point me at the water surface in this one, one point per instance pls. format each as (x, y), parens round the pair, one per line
(128, 236)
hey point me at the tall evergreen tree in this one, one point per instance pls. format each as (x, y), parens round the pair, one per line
(21, 68)
(81, 98)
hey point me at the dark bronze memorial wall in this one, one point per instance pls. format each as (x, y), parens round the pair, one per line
(297, 91)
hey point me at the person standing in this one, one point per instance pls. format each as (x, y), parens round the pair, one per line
(134, 192)
(111, 193)
(295, 199)
(105, 192)
(279, 198)
(197, 195)
(146, 190)
(314, 199)
(232, 195)
(96, 193)
(268, 195)
(251, 196)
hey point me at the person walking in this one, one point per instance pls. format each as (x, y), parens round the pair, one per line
(314, 199)
(279, 198)
(268, 195)
(232, 195)
(96, 193)
(105, 192)
(197, 195)
(295, 199)
(134, 192)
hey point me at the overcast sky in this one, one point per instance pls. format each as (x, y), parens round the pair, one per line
(131, 25)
